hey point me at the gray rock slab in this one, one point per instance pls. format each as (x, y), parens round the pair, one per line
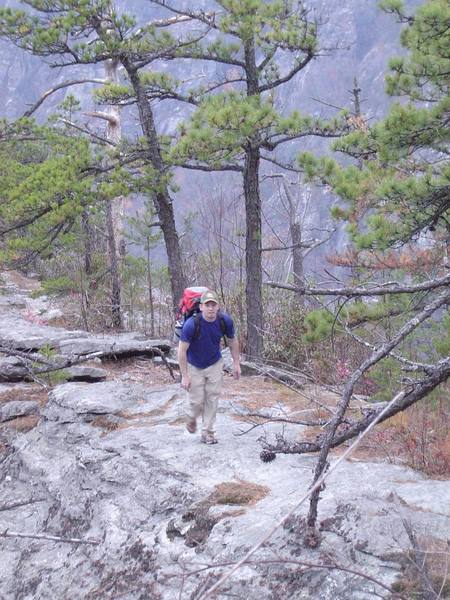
(143, 491)
(80, 373)
(18, 408)
(72, 402)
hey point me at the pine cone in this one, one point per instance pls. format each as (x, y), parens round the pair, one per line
(267, 456)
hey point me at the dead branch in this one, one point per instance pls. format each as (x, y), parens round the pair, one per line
(376, 356)
(208, 18)
(271, 419)
(316, 486)
(161, 354)
(420, 564)
(111, 119)
(291, 383)
(44, 536)
(61, 86)
(29, 359)
(18, 503)
(97, 138)
(30, 356)
(391, 287)
(307, 244)
(303, 565)
(408, 365)
(404, 399)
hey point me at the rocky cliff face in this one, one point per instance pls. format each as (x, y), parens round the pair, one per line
(357, 38)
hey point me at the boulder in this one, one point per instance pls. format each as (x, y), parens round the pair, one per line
(18, 408)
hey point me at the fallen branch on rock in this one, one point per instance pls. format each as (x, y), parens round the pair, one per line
(303, 567)
(405, 398)
(26, 368)
(44, 536)
(18, 503)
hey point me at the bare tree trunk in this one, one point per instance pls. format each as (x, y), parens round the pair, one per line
(87, 242)
(85, 276)
(253, 254)
(253, 222)
(163, 201)
(295, 230)
(116, 312)
(150, 293)
(114, 210)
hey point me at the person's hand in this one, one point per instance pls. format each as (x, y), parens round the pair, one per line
(236, 371)
(185, 382)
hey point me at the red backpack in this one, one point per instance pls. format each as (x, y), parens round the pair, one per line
(188, 306)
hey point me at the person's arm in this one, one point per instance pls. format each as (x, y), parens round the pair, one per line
(182, 360)
(234, 349)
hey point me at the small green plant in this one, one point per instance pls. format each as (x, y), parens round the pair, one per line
(54, 287)
(51, 378)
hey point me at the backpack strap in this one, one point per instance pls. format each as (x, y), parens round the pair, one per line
(197, 318)
(223, 326)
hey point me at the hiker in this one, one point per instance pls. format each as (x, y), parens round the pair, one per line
(201, 362)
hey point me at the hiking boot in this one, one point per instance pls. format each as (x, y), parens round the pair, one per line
(191, 425)
(208, 438)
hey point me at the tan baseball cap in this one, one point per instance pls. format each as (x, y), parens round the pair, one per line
(209, 296)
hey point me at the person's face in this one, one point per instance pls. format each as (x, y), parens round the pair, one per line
(209, 310)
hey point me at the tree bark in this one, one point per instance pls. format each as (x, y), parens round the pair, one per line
(150, 293)
(253, 222)
(253, 254)
(114, 210)
(162, 199)
(116, 311)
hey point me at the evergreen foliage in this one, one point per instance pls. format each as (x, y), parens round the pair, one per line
(45, 182)
(237, 125)
(403, 187)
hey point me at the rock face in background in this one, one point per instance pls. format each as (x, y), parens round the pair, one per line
(358, 39)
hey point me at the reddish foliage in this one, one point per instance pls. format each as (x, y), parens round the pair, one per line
(408, 258)
(420, 437)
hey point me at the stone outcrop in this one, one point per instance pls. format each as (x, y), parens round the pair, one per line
(108, 496)
(111, 465)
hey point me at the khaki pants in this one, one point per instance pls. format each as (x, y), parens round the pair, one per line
(203, 395)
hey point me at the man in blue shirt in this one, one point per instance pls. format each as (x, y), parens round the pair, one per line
(201, 363)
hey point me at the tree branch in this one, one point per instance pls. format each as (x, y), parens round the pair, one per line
(391, 287)
(53, 538)
(61, 86)
(403, 400)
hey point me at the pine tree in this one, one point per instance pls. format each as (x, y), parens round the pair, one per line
(87, 32)
(402, 192)
(45, 184)
(265, 45)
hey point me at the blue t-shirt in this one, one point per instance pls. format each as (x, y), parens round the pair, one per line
(205, 350)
